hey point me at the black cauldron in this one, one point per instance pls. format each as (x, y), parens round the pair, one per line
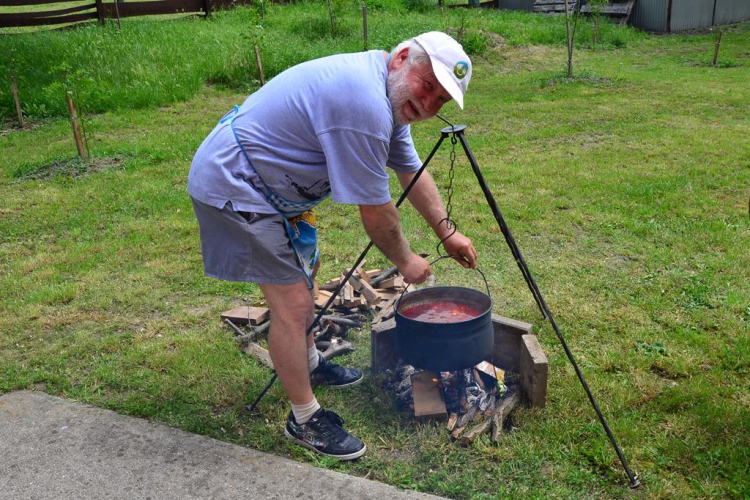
(445, 346)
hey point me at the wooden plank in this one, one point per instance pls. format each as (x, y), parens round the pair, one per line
(244, 315)
(255, 350)
(46, 13)
(129, 9)
(534, 371)
(47, 20)
(19, 3)
(428, 399)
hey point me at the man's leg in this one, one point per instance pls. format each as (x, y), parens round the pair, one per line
(291, 307)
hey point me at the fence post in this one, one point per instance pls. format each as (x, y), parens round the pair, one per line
(260, 66)
(333, 18)
(100, 11)
(207, 7)
(76, 128)
(364, 23)
(117, 13)
(14, 89)
(717, 47)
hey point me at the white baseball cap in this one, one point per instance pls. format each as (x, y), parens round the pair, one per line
(451, 65)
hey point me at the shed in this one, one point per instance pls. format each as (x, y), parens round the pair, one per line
(667, 16)
(660, 16)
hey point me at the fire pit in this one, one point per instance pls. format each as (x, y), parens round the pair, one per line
(475, 399)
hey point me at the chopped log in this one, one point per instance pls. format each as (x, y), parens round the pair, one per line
(467, 417)
(386, 312)
(502, 410)
(452, 419)
(347, 293)
(375, 282)
(331, 285)
(360, 285)
(358, 271)
(428, 399)
(491, 370)
(388, 294)
(341, 321)
(468, 437)
(254, 349)
(322, 298)
(372, 273)
(393, 282)
(337, 348)
(237, 331)
(456, 433)
(244, 315)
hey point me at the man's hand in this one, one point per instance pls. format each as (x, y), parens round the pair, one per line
(415, 270)
(462, 250)
(384, 228)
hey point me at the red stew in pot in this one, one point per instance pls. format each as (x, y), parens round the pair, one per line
(440, 312)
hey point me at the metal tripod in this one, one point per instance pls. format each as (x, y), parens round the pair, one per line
(457, 131)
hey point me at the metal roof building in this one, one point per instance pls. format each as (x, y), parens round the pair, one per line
(666, 16)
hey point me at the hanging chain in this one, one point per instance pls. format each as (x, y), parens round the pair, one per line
(449, 222)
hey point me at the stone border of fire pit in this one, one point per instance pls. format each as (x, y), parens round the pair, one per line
(516, 350)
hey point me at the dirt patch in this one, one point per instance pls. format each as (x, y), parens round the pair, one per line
(9, 126)
(72, 167)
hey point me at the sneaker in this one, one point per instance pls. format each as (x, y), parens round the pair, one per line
(331, 374)
(324, 433)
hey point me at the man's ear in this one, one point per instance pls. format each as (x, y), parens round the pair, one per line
(400, 58)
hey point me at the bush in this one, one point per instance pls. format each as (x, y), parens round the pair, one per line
(474, 43)
(420, 5)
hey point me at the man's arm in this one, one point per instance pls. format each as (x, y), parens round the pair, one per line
(425, 198)
(383, 226)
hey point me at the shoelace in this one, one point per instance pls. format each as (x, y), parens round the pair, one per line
(331, 424)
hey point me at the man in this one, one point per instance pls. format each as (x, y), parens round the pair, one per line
(325, 127)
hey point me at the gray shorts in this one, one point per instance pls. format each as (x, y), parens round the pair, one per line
(246, 246)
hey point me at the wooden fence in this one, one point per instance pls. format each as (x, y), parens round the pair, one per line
(99, 10)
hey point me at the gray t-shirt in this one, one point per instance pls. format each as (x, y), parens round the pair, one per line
(322, 125)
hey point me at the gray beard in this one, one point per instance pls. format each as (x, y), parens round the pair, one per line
(399, 92)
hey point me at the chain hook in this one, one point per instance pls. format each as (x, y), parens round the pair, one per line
(449, 222)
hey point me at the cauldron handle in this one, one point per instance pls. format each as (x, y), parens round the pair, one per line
(433, 262)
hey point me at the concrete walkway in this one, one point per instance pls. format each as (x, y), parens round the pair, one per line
(51, 448)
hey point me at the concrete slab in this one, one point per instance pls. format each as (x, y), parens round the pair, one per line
(51, 448)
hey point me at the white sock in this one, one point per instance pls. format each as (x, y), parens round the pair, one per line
(302, 413)
(312, 358)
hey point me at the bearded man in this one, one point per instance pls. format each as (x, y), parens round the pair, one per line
(327, 127)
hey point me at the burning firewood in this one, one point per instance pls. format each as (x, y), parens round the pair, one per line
(501, 413)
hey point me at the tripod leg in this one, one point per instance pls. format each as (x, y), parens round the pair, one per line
(634, 483)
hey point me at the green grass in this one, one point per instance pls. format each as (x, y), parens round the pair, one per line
(625, 188)
(151, 63)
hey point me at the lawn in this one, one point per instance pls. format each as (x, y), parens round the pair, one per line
(626, 189)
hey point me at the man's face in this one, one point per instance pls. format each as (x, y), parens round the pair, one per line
(414, 92)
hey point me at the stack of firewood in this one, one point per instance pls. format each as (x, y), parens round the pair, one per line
(374, 291)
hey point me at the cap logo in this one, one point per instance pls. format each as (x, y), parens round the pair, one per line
(460, 69)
